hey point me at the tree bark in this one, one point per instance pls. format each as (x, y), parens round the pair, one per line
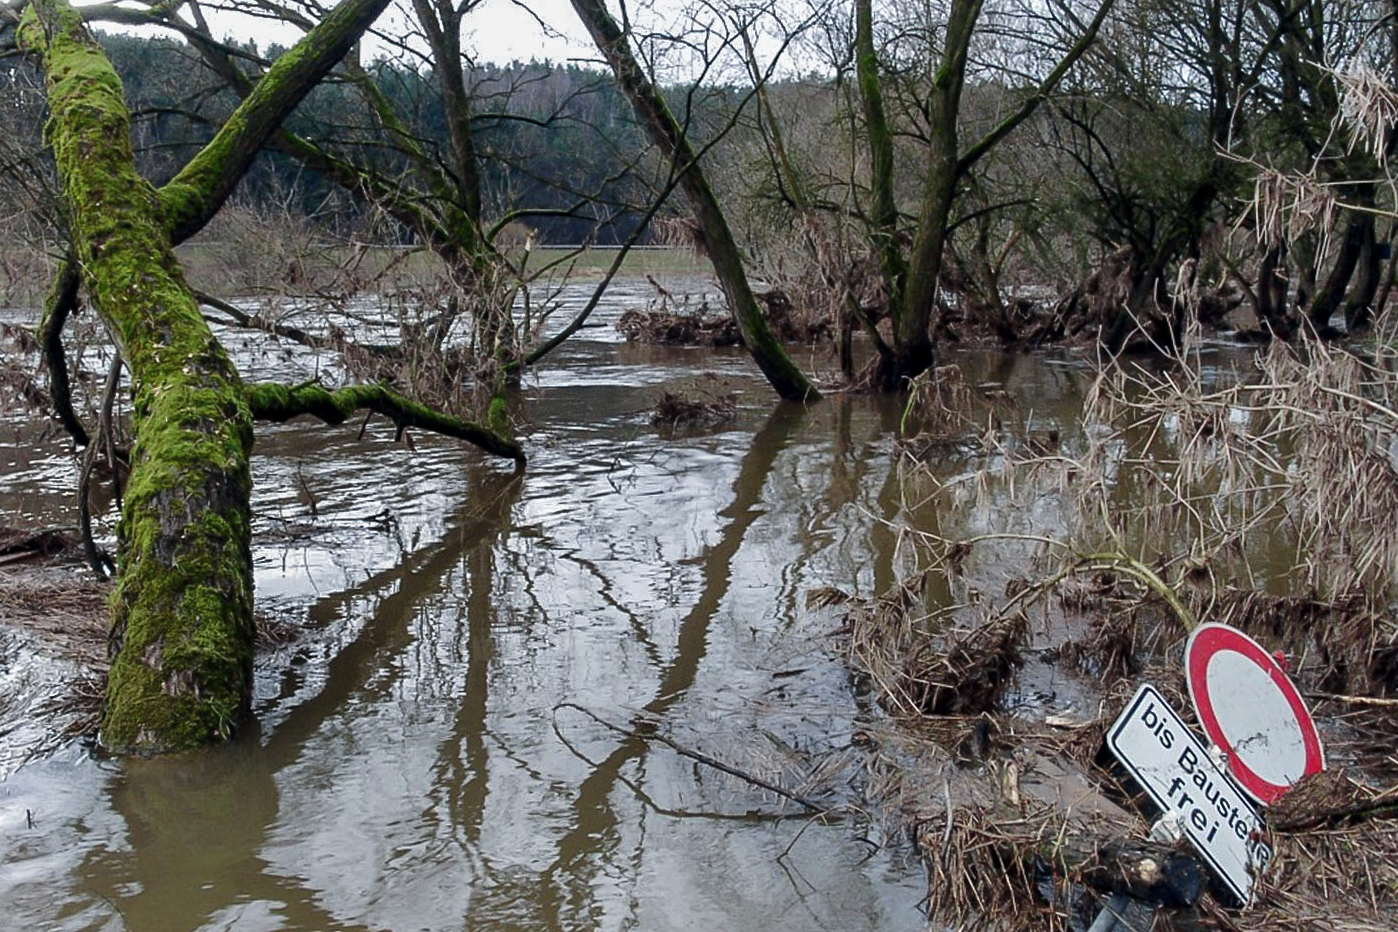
(61, 302)
(1331, 296)
(1274, 311)
(182, 612)
(665, 132)
(883, 213)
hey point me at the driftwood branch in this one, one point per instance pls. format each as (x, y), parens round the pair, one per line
(699, 756)
(255, 322)
(272, 402)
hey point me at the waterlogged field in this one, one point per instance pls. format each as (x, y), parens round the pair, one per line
(458, 703)
(413, 765)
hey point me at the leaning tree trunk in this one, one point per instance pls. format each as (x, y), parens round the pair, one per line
(183, 605)
(665, 132)
(182, 628)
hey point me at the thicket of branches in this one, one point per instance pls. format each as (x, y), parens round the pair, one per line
(1232, 153)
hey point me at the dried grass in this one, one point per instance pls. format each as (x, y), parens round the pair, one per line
(928, 666)
(943, 411)
(981, 863)
(1343, 879)
(1286, 205)
(1369, 106)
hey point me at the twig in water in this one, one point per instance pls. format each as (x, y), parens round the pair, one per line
(697, 756)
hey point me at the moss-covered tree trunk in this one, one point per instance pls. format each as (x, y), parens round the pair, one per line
(182, 628)
(883, 209)
(183, 603)
(912, 283)
(666, 133)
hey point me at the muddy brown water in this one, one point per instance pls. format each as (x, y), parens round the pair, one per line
(410, 767)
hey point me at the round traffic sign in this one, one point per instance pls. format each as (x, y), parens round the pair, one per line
(1250, 709)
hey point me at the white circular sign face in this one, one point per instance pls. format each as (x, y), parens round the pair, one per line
(1255, 718)
(1250, 709)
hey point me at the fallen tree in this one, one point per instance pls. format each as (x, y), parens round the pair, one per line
(181, 630)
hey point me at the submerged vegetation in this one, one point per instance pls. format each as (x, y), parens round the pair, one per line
(1185, 494)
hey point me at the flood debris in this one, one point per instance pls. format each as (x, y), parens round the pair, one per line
(922, 664)
(961, 670)
(694, 406)
(664, 327)
(17, 544)
(944, 412)
(682, 320)
(53, 643)
(1261, 499)
(17, 378)
(1021, 819)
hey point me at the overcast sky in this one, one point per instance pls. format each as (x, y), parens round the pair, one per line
(498, 31)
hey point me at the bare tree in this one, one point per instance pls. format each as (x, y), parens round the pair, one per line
(670, 137)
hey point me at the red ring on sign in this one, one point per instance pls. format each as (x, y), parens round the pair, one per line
(1213, 638)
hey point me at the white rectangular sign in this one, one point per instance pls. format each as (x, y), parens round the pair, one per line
(1174, 767)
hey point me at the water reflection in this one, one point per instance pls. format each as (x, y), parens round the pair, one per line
(408, 773)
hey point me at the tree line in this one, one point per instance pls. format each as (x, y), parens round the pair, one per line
(930, 167)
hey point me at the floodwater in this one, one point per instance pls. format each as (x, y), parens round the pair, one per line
(419, 759)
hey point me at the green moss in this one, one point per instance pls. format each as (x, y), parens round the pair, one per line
(271, 402)
(182, 609)
(499, 416)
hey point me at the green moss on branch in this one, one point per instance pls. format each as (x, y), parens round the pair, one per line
(271, 402)
(196, 193)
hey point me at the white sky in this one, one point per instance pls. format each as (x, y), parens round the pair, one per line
(498, 31)
(502, 31)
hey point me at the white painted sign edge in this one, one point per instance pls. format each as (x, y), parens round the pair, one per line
(1147, 778)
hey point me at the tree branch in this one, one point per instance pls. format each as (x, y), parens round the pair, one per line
(61, 302)
(273, 402)
(201, 187)
(1032, 102)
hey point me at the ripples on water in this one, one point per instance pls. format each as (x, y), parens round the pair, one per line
(408, 770)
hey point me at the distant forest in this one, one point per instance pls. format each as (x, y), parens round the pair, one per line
(1080, 170)
(557, 143)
